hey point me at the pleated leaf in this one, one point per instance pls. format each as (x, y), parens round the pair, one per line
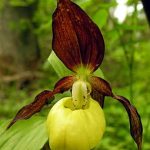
(24, 135)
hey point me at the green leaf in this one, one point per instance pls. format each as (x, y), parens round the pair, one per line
(84, 4)
(58, 66)
(100, 18)
(99, 73)
(24, 135)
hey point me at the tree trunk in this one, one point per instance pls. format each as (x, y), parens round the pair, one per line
(19, 48)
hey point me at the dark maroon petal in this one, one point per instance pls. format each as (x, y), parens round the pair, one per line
(64, 84)
(101, 86)
(77, 40)
(32, 108)
(136, 128)
(41, 99)
(98, 97)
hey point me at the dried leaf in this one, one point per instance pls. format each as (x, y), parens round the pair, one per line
(77, 40)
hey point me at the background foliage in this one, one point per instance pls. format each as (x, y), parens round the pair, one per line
(25, 44)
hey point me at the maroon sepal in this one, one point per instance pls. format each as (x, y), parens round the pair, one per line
(77, 40)
(136, 128)
(41, 99)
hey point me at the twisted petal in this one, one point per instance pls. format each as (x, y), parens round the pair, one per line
(64, 84)
(32, 108)
(99, 97)
(101, 86)
(136, 129)
(77, 40)
(41, 99)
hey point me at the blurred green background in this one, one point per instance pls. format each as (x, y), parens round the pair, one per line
(25, 45)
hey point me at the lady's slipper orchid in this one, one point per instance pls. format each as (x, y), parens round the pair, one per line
(79, 44)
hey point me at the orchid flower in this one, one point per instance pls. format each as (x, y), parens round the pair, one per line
(79, 44)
